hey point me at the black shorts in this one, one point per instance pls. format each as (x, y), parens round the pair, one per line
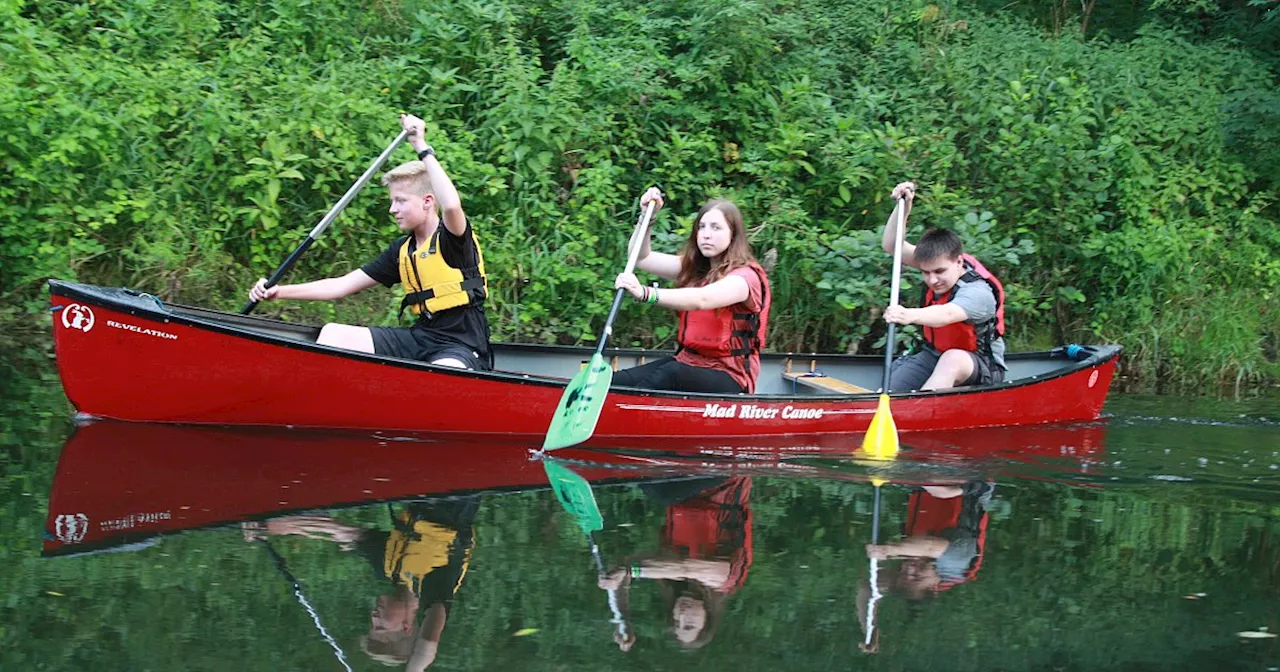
(910, 372)
(417, 343)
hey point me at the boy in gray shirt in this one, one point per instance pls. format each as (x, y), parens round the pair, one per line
(962, 316)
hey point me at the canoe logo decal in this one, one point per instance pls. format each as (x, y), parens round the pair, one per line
(70, 528)
(1093, 379)
(754, 412)
(139, 330)
(749, 411)
(76, 316)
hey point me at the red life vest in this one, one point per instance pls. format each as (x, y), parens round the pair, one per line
(722, 332)
(964, 335)
(937, 517)
(715, 524)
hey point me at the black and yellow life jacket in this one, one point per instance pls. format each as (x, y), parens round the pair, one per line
(432, 285)
(416, 548)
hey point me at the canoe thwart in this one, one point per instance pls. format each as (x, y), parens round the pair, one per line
(819, 380)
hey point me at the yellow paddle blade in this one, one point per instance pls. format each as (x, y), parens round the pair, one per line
(881, 440)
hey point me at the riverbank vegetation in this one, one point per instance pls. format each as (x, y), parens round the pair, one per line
(1115, 165)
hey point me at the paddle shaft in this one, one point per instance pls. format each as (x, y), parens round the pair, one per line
(618, 621)
(875, 573)
(641, 228)
(875, 520)
(306, 604)
(328, 218)
(894, 286)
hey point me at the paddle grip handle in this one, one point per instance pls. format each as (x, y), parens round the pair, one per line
(329, 217)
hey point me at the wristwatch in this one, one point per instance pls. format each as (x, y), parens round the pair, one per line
(422, 156)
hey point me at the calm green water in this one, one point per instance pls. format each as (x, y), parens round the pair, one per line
(1148, 541)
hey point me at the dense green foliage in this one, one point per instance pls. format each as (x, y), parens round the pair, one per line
(1117, 169)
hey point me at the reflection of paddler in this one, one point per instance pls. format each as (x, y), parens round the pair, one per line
(714, 523)
(418, 546)
(957, 515)
(944, 539)
(425, 555)
(706, 552)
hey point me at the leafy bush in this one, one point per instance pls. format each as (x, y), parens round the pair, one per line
(1119, 179)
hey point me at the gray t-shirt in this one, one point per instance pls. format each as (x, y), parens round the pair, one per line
(953, 564)
(979, 303)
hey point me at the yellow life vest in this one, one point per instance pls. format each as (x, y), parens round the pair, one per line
(431, 284)
(412, 555)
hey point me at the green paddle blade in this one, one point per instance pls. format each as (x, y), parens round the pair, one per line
(574, 493)
(579, 409)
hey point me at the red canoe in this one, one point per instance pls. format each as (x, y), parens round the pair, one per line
(125, 355)
(127, 483)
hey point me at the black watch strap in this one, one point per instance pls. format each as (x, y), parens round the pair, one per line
(422, 156)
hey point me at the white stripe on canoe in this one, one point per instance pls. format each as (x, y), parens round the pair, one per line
(686, 409)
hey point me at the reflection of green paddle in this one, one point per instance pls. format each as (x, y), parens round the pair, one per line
(574, 493)
(580, 406)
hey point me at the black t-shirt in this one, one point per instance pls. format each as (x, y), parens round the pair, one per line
(465, 325)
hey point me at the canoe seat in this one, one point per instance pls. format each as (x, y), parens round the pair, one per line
(820, 381)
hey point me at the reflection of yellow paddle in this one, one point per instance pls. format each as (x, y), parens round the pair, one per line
(881, 439)
(869, 642)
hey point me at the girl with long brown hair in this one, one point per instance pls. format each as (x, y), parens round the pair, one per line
(722, 297)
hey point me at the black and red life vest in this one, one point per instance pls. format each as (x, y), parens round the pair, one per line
(947, 518)
(965, 335)
(722, 332)
(715, 524)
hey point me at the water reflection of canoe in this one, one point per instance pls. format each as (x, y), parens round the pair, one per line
(126, 356)
(123, 482)
(118, 483)
(1036, 452)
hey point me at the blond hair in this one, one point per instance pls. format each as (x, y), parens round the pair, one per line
(413, 175)
(393, 651)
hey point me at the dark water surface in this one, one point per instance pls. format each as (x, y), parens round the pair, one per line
(1147, 541)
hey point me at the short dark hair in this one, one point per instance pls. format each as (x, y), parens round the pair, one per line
(939, 244)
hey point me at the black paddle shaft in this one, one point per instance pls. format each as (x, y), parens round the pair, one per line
(888, 357)
(875, 519)
(306, 604)
(279, 274)
(608, 322)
